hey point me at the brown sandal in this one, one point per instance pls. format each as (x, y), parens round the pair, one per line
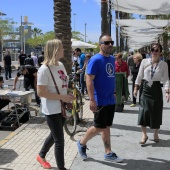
(143, 142)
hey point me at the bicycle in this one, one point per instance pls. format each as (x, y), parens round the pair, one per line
(77, 111)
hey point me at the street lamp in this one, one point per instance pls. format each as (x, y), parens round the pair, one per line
(74, 22)
(85, 32)
(23, 31)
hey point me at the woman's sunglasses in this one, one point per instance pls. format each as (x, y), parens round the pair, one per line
(153, 50)
(107, 42)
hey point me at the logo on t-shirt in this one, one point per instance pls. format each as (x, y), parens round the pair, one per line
(63, 77)
(110, 69)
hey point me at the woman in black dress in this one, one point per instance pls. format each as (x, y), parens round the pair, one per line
(137, 58)
(152, 71)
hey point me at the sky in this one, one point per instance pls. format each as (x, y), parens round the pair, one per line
(40, 12)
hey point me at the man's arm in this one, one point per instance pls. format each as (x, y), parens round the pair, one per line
(4, 62)
(15, 82)
(19, 60)
(35, 80)
(90, 89)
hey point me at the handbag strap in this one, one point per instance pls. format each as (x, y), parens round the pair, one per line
(55, 84)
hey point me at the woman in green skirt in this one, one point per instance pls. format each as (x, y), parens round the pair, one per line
(152, 71)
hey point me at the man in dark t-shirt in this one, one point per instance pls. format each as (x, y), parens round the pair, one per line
(22, 58)
(29, 60)
(30, 79)
(7, 65)
(40, 58)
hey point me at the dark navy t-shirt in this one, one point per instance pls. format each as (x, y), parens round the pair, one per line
(104, 82)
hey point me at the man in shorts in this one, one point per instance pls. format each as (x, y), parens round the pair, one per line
(100, 81)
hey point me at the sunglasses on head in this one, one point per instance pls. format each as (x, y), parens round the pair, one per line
(153, 50)
(107, 42)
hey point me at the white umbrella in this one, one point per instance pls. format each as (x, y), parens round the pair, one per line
(81, 44)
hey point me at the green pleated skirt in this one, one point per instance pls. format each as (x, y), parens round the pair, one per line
(150, 105)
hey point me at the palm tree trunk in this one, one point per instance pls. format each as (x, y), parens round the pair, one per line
(62, 29)
(104, 22)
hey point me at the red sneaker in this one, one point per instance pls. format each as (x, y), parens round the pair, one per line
(45, 165)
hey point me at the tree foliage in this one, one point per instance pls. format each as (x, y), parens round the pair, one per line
(6, 26)
(36, 32)
(77, 35)
(40, 39)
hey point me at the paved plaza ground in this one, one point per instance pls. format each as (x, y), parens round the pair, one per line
(19, 149)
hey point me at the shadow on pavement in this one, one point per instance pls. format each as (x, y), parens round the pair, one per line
(129, 111)
(162, 143)
(7, 156)
(137, 129)
(131, 164)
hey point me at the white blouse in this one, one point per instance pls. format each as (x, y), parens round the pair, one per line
(161, 72)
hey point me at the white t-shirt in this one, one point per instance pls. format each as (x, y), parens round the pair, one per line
(50, 107)
(161, 72)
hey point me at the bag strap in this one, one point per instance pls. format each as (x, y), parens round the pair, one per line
(62, 104)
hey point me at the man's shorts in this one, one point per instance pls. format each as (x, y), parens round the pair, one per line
(104, 115)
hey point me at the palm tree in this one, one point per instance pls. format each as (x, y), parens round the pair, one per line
(104, 22)
(36, 32)
(62, 28)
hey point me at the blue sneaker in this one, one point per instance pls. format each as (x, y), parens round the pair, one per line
(82, 150)
(112, 157)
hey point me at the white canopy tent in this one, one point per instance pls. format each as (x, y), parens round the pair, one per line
(143, 7)
(142, 31)
(131, 34)
(143, 23)
(81, 44)
(139, 32)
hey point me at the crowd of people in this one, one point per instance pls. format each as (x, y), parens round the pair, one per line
(98, 79)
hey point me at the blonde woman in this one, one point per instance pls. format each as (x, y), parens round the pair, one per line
(151, 72)
(137, 58)
(50, 99)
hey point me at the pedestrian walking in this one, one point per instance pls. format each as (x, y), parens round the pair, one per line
(35, 59)
(152, 71)
(137, 60)
(82, 58)
(21, 58)
(121, 66)
(29, 60)
(50, 100)
(40, 58)
(7, 65)
(100, 81)
(130, 63)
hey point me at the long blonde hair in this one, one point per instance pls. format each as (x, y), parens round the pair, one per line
(50, 51)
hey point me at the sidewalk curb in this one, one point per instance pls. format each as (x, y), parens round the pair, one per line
(14, 133)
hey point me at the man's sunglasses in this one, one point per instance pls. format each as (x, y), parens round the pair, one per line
(107, 42)
(153, 50)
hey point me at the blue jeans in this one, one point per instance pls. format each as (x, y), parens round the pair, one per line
(56, 136)
(82, 82)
